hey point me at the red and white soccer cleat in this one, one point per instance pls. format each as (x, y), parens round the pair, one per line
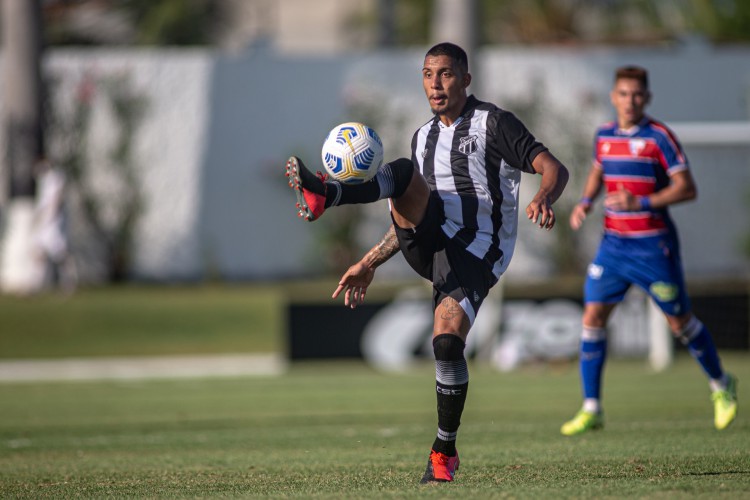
(440, 468)
(310, 189)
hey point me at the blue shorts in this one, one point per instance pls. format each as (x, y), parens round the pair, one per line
(610, 275)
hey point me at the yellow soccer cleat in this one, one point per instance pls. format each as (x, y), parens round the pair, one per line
(725, 403)
(582, 422)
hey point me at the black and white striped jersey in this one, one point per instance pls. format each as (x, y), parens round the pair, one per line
(475, 166)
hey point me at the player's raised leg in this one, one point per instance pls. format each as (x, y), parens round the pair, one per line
(310, 189)
(315, 193)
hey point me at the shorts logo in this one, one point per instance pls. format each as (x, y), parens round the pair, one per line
(665, 292)
(595, 271)
(468, 144)
(476, 296)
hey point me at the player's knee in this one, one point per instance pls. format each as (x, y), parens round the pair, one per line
(402, 170)
(678, 324)
(448, 347)
(595, 317)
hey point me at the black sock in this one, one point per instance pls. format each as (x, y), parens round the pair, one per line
(390, 182)
(452, 383)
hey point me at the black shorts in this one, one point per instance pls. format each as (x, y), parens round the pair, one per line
(453, 271)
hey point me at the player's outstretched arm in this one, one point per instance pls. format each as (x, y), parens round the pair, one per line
(590, 192)
(358, 277)
(554, 178)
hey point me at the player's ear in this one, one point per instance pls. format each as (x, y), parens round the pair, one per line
(467, 80)
(647, 101)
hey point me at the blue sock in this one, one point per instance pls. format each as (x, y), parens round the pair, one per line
(701, 346)
(592, 357)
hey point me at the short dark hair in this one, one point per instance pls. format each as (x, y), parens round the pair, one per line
(453, 51)
(633, 73)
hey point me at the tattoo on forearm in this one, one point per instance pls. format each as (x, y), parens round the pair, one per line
(387, 248)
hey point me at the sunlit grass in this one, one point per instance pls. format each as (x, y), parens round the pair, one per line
(333, 430)
(142, 320)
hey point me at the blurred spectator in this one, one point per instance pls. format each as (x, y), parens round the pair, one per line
(56, 264)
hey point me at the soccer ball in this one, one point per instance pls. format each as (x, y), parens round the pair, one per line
(352, 153)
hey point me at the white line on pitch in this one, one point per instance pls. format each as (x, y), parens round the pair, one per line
(133, 368)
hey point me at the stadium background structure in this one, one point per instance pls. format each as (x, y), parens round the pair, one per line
(218, 176)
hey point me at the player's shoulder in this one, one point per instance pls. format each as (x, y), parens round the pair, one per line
(657, 126)
(659, 130)
(499, 119)
(495, 111)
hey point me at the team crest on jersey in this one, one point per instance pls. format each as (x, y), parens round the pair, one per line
(605, 147)
(665, 292)
(636, 146)
(468, 144)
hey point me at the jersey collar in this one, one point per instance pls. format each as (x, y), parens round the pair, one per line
(471, 103)
(629, 132)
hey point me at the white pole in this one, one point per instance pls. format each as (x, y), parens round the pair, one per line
(660, 349)
(23, 128)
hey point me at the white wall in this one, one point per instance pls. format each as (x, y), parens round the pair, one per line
(168, 147)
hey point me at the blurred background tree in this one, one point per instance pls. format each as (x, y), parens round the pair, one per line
(204, 22)
(131, 22)
(111, 219)
(173, 22)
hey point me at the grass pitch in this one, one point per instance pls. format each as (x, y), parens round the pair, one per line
(143, 321)
(345, 431)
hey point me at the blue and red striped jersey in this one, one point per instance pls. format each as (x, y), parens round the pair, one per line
(640, 160)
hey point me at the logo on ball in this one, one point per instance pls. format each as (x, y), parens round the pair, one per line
(352, 153)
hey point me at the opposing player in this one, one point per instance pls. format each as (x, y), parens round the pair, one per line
(454, 208)
(643, 170)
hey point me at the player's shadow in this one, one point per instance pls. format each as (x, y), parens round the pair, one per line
(722, 473)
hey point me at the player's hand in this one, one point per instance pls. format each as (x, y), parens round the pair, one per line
(540, 211)
(578, 215)
(354, 284)
(621, 200)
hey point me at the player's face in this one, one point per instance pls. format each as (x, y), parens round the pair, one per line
(629, 98)
(445, 86)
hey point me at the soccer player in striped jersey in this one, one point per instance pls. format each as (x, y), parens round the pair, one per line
(454, 207)
(642, 170)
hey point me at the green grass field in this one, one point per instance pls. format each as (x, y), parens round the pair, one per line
(157, 320)
(344, 431)
(143, 320)
(330, 430)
